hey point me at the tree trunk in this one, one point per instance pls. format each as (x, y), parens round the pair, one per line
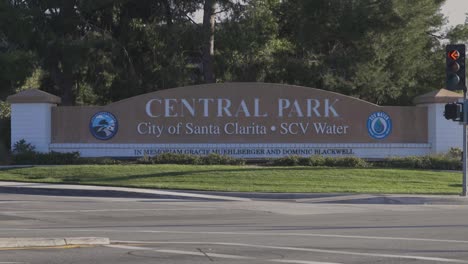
(64, 81)
(167, 6)
(64, 73)
(68, 95)
(208, 40)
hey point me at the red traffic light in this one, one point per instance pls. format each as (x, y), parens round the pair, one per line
(455, 76)
(454, 54)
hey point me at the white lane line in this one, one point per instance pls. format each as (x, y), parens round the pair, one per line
(298, 261)
(306, 250)
(242, 233)
(301, 234)
(216, 255)
(194, 253)
(127, 247)
(104, 210)
(208, 254)
(308, 235)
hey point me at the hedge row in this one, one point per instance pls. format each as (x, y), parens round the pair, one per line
(436, 162)
(415, 162)
(58, 158)
(73, 158)
(432, 162)
(24, 153)
(171, 158)
(320, 161)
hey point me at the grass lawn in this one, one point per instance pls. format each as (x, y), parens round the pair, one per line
(246, 178)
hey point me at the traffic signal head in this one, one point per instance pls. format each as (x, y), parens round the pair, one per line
(455, 67)
(454, 111)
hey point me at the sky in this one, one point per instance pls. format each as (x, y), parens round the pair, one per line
(455, 11)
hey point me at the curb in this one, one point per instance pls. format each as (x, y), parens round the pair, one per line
(22, 242)
(105, 191)
(54, 189)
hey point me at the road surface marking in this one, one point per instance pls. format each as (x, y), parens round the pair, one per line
(194, 253)
(104, 210)
(216, 255)
(305, 250)
(295, 234)
(240, 233)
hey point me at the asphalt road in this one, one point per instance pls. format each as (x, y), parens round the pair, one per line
(193, 230)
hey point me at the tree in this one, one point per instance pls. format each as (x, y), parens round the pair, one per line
(100, 51)
(379, 51)
(248, 42)
(17, 62)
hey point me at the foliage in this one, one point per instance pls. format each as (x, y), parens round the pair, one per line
(99, 161)
(59, 158)
(5, 110)
(365, 48)
(455, 153)
(23, 147)
(100, 51)
(431, 162)
(17, 62)
(451, 161)
(173, 158)
(216, 159)
(170, 158)
(349, 162)
(247, 43)
(458, 34)
(51, 158)
(25, 153)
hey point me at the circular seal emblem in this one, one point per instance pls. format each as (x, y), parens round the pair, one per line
(379, 125)
(103, 125)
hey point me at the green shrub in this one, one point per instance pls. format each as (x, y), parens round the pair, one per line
(431, 162)
(348, 162)
(172, 158)
(455, 153)
(286, 161)
(316, 161)
(217, 159)
(145, 160)
(444, 163)
(98, 161)
(51, 158)
(22, 147)
(24, 154)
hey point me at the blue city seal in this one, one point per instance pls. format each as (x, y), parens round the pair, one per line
(103, 125)
(379, 125)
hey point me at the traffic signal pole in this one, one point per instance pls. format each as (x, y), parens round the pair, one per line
(455, 80)
(465, 145)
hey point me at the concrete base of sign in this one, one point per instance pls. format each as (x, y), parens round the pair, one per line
(247, 150)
